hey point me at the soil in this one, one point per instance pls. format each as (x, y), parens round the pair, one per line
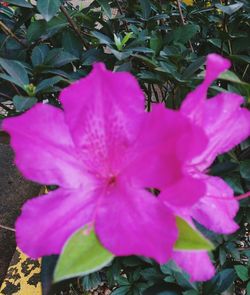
(14, 191)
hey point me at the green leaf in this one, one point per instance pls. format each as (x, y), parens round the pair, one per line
(23, 103)
(103, 39)
(184, 33)
(72, 44)
(245, 169)
(229, 9)
(242, 272)
(45, 84)
(146, 8)
(82, 255)
(58, 57)
(121, 290)
(220, 282)
(21, 3)
(36, 30)
(106, 7)
(248, 287)
(189, 238)
(231, 77)
(16, 70)
(39, 54)
(48, 8)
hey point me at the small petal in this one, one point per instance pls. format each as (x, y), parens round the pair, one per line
(133, 222)
(196, 263)
(216, 65)
(217, 209)
(48, 221)
(104, 112)
(44, 151)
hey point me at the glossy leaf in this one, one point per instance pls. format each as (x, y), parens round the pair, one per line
(189, 238)
(82, 255)
(48, 8)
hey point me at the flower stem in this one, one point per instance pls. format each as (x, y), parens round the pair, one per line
(244, 196)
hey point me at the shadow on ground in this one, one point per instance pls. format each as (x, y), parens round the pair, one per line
(14, 191)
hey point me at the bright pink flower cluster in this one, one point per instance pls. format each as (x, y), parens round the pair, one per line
(104, 151)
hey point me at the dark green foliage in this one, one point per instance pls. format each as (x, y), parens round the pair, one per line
(146, 37)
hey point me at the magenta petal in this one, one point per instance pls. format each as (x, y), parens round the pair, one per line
(104, 113)
(44, 151)
(216, 65)
(225, 123)
(186, 192)
(133, 222)
(48, 221)
(217, 209)
(167, 141)
(196, 263)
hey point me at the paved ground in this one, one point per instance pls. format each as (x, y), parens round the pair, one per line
(14, 190)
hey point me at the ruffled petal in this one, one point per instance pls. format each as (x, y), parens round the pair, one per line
(48, 221)
(196, 263)
(225, 123)
(217, 209)
(104, 112)
(44, 151)
(133, 222)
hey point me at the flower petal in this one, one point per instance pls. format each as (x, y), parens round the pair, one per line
(185, 192)
(225, 123)
(196, 263)
(216, 65)
(167, 142)
(217, 209)
(133, 222)
(44, 151)
(48, 221)
(104, 113)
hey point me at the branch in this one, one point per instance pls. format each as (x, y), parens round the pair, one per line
(184, 22)
(8, 32)
(74, 26)
(6, 227)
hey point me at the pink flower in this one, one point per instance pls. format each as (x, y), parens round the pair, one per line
(226, 124)
(103, 151)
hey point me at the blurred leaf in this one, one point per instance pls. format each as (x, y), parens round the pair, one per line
(58, 57)
(121, 290)
(39, 54)
(16, 70)
(36, 30)
(242, 272)
(106, 7)
(82, 255)
(48, 8)
(21, 3)
(245, 169)
(23, 103)
(146, 8)
(48, 83)
(189, 238)
(229, 9)
(185, 33)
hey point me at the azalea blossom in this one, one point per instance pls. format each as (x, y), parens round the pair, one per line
(104, 152)
(226, 124)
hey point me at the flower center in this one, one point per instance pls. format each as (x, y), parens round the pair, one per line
(111, 180)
